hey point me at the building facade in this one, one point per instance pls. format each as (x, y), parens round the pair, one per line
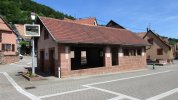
(68, 49)
(8, 44)
(159, 50)
(24, 41)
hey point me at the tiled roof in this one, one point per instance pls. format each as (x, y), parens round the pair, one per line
(3, 25)
(113, 24)
(86, 21)
(166, 40)
(142, 34)
(20, 29)
(67, 32)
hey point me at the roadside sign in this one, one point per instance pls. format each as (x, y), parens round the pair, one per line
(32, 30)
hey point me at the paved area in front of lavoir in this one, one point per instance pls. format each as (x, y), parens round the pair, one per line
(148, 84)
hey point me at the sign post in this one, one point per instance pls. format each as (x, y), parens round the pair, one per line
(32, 30)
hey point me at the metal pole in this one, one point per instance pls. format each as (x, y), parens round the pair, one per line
(33, 55)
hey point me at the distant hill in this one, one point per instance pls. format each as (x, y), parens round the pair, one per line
(172, 41)
(18, 11)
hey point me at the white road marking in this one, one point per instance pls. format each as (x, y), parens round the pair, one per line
(157, 97)
(62, 93)
(128, 78)
(117, 98)
(18, 88)
(91, 87)
(111, 92)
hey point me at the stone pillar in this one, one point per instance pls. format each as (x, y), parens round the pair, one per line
(120, 52)
(108, 58)
(143, 52)
(136, 54)
(67, 57)
(144, 56)
(64, 59)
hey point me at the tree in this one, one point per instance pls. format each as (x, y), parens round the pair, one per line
(18, 11)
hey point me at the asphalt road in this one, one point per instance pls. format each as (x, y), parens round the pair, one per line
(148, 84)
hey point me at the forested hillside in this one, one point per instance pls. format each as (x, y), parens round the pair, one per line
(18, 11)
(172, 41)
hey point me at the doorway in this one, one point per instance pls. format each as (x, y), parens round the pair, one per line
(52, 61)
(42, 61)
(115, 59)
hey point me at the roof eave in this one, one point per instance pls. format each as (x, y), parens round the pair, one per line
(47, 29)
(65, 42)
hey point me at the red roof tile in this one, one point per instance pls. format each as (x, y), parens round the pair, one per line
(86, 21)
(21, 31)
(67, 32)
(141, 35)
(3, 25)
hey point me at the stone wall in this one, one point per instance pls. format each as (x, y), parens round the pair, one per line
(9, 59)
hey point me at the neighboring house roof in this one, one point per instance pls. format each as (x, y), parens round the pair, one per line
(86, 21)
(20, 29)
(113, 24)
(66, 32)
(3, 25)
(141, 34)
(166, 40)
(144, 34)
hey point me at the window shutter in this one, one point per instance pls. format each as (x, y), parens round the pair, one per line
(13, 47)
(3, 47)
(0, 37)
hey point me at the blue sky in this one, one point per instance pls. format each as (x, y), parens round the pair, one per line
(135, 15)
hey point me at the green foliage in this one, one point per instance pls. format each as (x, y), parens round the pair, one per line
(29, 74)
(24, 43)
(18, 11)
(173, 41)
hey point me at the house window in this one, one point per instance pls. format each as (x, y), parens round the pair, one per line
(139, 52)
(126, 52)
(6, 47)
(150, 40)
(159, 51)
(13, 47)
(46, 35)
